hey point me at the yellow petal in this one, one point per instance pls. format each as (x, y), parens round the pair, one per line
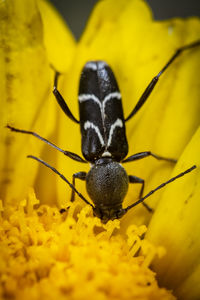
(175, 224)
(26, 88)
(25, 84)
(188, 289)
(60, 47)
(58, 40)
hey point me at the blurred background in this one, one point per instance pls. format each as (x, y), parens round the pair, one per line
(76, 12)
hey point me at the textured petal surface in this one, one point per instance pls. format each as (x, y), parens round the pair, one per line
(26, 88)
(175, 225)
(58, 39)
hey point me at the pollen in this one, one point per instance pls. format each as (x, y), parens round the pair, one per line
(48, 255)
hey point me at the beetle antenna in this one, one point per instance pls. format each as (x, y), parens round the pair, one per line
(63, 177)
(158, 187)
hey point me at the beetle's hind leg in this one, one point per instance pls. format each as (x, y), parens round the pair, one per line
(154, 81)
(135, 179)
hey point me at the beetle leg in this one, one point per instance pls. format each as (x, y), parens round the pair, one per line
(79, 175)
(135, 179)
(158, 188)
(72, 155)
(153, 82)
(141, 155)
(63, 178)
(61, 100)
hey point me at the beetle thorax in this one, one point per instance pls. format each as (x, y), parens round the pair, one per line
(107, 185)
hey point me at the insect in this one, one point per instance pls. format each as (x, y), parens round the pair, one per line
(104, 142)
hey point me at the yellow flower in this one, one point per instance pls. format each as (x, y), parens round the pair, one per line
(46, 254)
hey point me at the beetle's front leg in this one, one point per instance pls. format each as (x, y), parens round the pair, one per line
(79, 175)
(135, 179)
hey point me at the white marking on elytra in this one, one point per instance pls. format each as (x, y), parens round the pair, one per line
(102, 105)
(91, 65)
(94, 65)
(110, 96)
(118, 123)
(89, 124)
(86, 97)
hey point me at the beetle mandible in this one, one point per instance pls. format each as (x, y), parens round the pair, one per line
(104, 142)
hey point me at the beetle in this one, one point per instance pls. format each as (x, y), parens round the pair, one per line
(104, 142)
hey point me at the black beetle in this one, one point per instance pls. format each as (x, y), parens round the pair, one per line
(104, 142)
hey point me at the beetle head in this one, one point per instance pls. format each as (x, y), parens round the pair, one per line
(106, 214)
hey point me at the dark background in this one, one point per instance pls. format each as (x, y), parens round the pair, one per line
(76, 12)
